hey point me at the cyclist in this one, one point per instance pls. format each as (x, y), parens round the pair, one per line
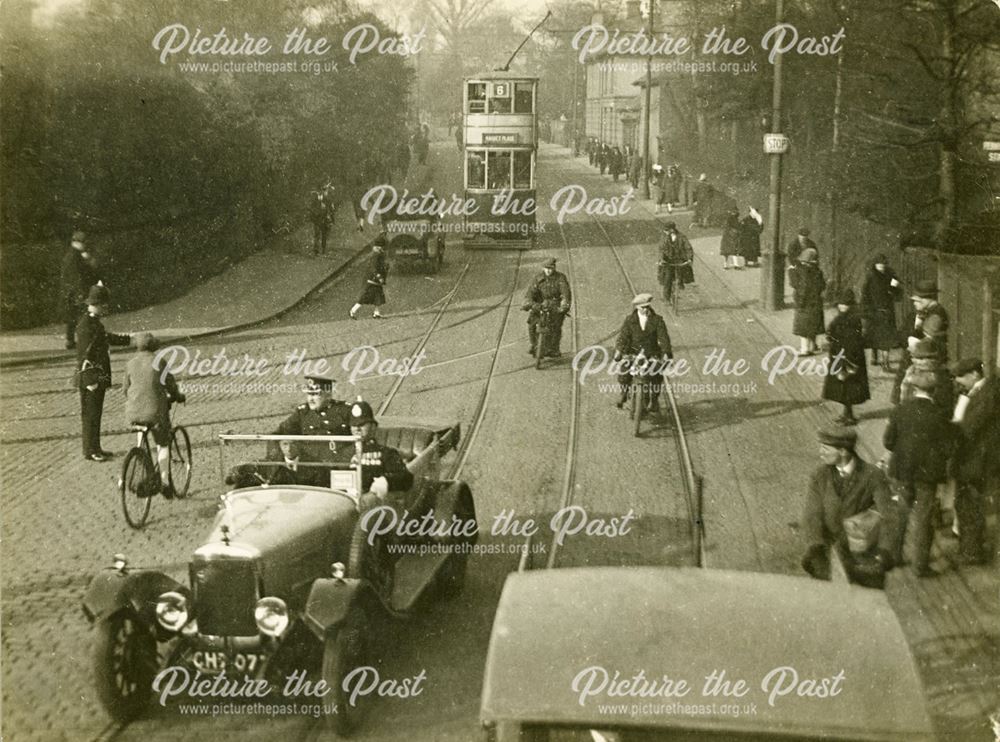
(676, 257)
(643, 331)
(149, 392)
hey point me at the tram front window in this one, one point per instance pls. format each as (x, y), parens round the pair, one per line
(476, 170)
(522, 169)
(522, 97)
(498, 172)
(477, 97)
(499, 105)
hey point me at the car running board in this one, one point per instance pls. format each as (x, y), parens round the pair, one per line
(412, 576)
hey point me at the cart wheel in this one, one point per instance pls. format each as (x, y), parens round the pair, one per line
(125, 664)
(344, 649)
(179, 471)
(638, 405)
(137, 485)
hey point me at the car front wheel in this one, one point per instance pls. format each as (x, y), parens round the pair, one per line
(344, 649)
(125, 663)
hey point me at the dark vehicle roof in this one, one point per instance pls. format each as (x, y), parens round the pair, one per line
(686, 623)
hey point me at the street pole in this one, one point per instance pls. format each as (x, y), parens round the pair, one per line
(646, 164)
(773, 275)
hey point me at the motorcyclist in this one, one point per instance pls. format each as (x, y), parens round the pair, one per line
(549, 290)
(645, 332)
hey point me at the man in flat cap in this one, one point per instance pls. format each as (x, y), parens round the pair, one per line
(548, 291)
(977, 460)
(79, 273)
(922, 439)
(928, 322)
(93, 364)
(676, 259)
(844, 486)
(801, 242)
(644, 331)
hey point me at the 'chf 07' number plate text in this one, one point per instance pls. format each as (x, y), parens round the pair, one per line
(217, 661)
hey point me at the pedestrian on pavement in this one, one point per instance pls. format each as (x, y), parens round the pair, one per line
(79, 273)
(635, 169)
(729, 247)
(591, 150)
(703, 197)
(845, 487)
(321, 216)
(617, 165)
(659, 179)
(808, 283)
(672, 182)
(93, 364)
(751, 227)
(149, 392)
(879, 295)
(922, 439)
(976, 466)
(604, 158)
(550, 291)
(928, 321)
(846, 379)
(676, 261)
(376, 273)
(925, 360)
(645, 332)
(801, 243)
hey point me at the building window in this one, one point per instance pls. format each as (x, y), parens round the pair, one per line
(522, 169)
(498, 170)
(475, 169)
(477, 97)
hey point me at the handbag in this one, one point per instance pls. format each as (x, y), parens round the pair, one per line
(847, 371)
(862, 530)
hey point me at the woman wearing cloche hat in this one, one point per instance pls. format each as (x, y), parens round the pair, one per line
(847, 376)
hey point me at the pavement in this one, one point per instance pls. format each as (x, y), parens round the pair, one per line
(263, 286)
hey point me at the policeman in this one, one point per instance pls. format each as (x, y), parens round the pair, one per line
(382, 467)
(321, 414)
(549, 288)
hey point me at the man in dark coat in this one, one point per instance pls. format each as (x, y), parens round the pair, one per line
(93, 362)
(548, 291)
(79, 273)
(845, 485)
(729, 246)
(377, 461)
(321, 414)
(750, 228)
(676, 259)
(846, 380)
(928, 323)
(977, 460)
(808, 282)
(703, 196)
(879, 295)
(799, 244)
(644, 331)
(922, 439)
(321, 216)
(376, 273)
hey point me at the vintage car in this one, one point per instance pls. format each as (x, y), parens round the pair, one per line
(630, 654)
(288, 578)
(415, 239)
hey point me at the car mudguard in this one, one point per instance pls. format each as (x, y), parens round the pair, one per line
(112, 590)
(452, 497)
(330, 599)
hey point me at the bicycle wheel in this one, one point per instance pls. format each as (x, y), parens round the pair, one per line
(540, 345)
(179, 466)
(676, 298)
(638, 404)
(136, 487)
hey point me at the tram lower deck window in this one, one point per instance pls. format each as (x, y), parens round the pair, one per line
(498, 170)
(476, 169)
(522, 169)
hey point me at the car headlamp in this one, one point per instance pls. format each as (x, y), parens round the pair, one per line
(172, 611)
(271, 616)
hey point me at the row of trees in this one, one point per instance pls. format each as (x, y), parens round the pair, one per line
(99, 133)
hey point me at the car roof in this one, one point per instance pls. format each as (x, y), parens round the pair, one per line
(685, 623)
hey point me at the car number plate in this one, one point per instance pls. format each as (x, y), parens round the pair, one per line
(218, 661)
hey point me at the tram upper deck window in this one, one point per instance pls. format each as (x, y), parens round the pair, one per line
(522, 97)
(522, 169)
(476, 169)
(477, 97)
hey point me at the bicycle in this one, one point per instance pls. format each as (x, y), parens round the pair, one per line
(547, 314)
(671, 292)
(641, 396)
(140, 479)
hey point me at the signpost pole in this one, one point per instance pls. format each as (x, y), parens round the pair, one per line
(646, 164)
(773, 274)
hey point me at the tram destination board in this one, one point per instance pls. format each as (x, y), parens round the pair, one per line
(496, 138)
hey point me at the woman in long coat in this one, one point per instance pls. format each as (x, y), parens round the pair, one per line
(373, 288)
(847, 376)
(730, 247)
(881, 291)
(750, 228)
(808, 282)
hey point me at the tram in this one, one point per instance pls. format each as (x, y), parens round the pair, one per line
(500, 145)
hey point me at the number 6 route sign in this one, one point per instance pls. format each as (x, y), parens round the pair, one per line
(775, 144)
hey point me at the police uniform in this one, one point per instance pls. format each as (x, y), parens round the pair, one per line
(332, 418)
(378, 460)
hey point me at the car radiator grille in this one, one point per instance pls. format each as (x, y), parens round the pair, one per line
(225, 593)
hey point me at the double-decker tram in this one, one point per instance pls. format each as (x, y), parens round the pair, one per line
(500, 144)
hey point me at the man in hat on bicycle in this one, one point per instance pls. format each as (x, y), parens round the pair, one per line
(645, 332)
(676, 257)
(548, 296)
